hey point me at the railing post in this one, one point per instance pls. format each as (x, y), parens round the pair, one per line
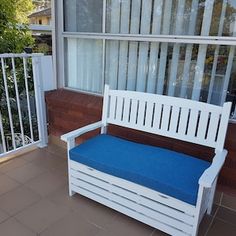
(40, 101)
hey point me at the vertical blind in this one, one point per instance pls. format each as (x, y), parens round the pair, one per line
(194, 71)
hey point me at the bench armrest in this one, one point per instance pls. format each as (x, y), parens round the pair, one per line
(210, 174)
(78, 132)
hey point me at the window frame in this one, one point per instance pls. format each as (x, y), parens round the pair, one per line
(104, 36)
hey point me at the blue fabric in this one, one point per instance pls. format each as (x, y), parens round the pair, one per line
(168, 172)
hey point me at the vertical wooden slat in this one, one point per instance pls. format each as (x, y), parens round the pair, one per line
(188, 55)
(133, 112)
(154, 47)
(202, 125)
(164, 46)
(18, 101)
(114, 45)
(72, 63)
(206, 23)
(213, 125)
(133, 46)
(8, 103)
(157, 116)
(174, 119)
(144, 46)
(165, 117)
(149, 114)
(216, 53)
(126, 113)
(123, 53)
(112, 107)
(141, 114)
(227, 74)
(192, 125)
(119, 108)
(175, 55)
(183, 121)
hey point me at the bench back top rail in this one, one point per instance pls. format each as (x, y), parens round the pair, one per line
(178, 118)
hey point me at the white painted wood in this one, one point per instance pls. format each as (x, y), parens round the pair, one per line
(138, 189)
(133, 46)
(123, 53)
(154, 47)
(144, 47)
(206, 23)
(176, 49)
(164, 46)
(171, 117)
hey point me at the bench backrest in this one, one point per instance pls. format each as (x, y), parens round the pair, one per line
(178, 118)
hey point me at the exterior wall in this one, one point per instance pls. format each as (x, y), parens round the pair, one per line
(69, 110)
(45, 20)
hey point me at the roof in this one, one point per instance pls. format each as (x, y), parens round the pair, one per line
(44, 12)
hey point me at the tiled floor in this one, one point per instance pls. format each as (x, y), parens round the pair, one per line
(34, 201)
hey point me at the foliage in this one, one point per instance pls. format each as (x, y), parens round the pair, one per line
(14, 33)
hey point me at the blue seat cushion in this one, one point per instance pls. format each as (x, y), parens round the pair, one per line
(165, 171)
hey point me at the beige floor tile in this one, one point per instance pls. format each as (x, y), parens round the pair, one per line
(3, 216)
(41, 215)
(25, 173)
(71, 225)
(124, 225)
(12, 164)
(11, 227)
(55, 149)
(34, 155)
(7, 184)
(18, 199)
(49, 160)
(46, 183)
(92, 211)
(221, 228)
(226, 215)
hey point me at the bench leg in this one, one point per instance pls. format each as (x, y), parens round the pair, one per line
(211, 197)
(71, 192)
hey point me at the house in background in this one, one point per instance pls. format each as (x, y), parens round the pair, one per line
(41, 17)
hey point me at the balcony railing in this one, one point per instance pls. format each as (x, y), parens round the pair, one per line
(22, 111)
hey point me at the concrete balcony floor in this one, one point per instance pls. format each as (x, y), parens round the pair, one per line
(34, 201)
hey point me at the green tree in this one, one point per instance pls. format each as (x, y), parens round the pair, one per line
(14, 33)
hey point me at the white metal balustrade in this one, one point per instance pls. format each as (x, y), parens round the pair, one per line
(22, 111)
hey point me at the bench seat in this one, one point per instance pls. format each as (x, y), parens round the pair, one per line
(171, 173)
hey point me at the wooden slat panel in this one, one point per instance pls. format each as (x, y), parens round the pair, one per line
(126, 113)
(129, 212)
(192, 125)
(140, 190)
(157, 116)
(183, 121)
(132, 205)
(174, 119)
(119, 108)
(134, 197)
(202, 126)
(149, 114)
(112, 107)
(141, 113)
(213, 126)
(133, 113)
(165, 117)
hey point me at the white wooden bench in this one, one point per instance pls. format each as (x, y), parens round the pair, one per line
(177, 118)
